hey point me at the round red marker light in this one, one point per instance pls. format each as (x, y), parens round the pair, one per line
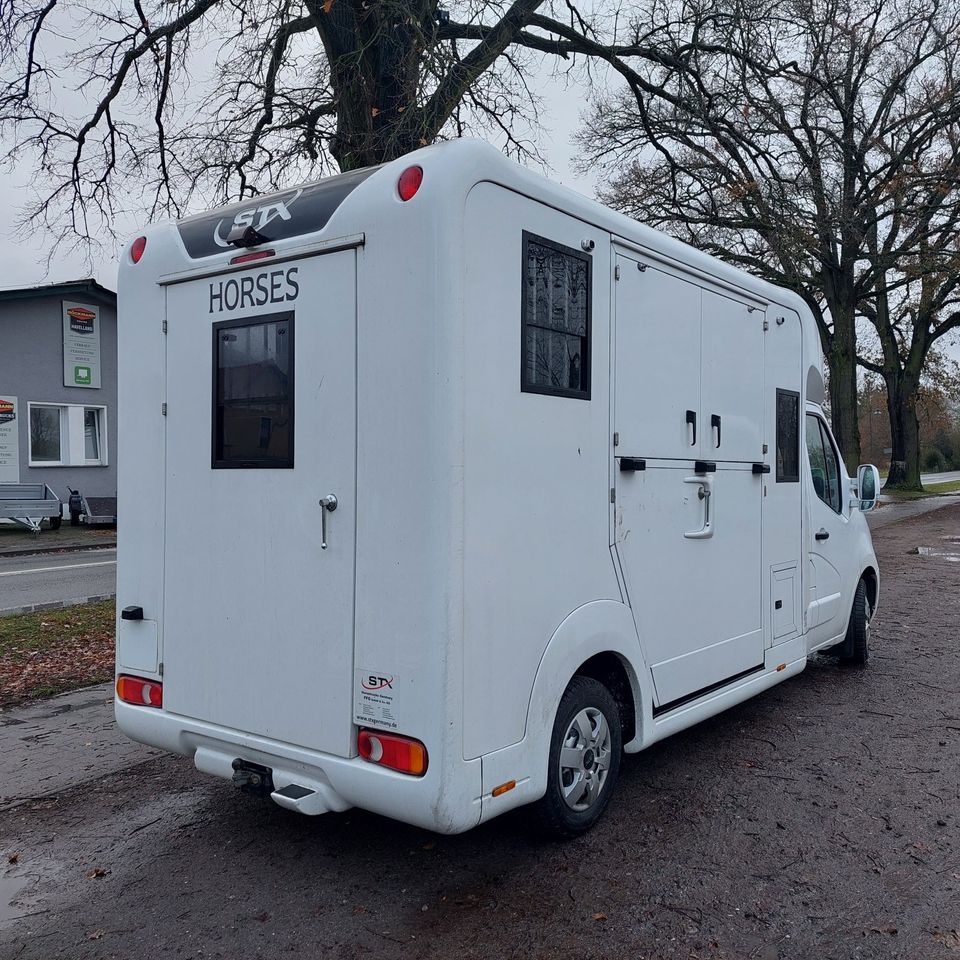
(137, 248)
(409, 182)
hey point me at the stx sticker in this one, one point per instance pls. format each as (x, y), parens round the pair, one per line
(375, 699)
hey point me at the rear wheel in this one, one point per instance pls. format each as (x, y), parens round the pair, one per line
(55, 523)
(584, 760)
(856, 647)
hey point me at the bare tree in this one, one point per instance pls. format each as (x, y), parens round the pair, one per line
(811, 141)
(910, 318)
(142, 103)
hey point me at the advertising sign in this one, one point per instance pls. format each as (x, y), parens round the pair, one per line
(81, 345)
(9, 440)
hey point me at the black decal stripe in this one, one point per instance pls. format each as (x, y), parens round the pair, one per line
(309, 209)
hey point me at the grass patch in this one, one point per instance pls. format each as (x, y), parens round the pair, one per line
(51, 651)
(931, 490)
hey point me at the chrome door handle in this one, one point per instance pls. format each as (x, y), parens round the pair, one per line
(327, 505)
(705, 494)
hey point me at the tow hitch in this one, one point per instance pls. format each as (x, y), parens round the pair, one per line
(253, 778)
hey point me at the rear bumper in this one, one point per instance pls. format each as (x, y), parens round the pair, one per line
(446, 800)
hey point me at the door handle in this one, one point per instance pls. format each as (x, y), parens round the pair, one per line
(692, 421)
(822, 534)
(715, 423)
(705, 493)
(327, 505)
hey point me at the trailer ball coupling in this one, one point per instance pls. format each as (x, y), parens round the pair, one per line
(252, 778)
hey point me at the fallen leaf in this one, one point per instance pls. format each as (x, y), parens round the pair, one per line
(96, 935)
(327, 4)
(599, 916)
(13, 858)
(96, 873)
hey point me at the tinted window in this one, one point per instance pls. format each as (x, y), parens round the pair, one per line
(555, 315)
(788, 436)
(45, 434)
(253, 392)
(824, 466)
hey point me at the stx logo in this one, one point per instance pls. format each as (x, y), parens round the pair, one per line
(257, 217)
(377, 683)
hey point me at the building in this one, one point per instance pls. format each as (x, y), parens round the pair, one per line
(58, 390)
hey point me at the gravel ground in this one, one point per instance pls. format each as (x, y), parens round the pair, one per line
(818, 820)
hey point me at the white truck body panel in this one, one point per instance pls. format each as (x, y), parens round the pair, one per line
(489, 537)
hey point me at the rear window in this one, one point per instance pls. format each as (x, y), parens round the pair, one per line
(253, 392)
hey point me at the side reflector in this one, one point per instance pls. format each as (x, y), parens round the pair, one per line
(409, 182)
(137, 248)
(247, 257)
(139, 691)
(782, 666)
(391, 750)
(503, 788)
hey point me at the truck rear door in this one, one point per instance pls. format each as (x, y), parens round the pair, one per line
(260, 426)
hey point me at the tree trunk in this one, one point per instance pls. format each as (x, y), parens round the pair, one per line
(842, 360)
(902, 392)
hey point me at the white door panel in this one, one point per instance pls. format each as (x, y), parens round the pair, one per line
(731, 401)
(657, 363)
(270, 652)
(782, 502)
(827, 531)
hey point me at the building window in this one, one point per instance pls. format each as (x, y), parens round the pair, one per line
(45, 434)
(67, 435)
(253, 392)
(555, 319)
(788, 436)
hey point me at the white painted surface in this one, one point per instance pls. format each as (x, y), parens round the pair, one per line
(487, 561)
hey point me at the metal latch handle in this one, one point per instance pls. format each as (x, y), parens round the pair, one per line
(704, 493)
(327, 505)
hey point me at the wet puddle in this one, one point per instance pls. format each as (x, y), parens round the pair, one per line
(949, 549)
(10, 889)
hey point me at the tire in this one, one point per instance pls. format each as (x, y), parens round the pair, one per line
(856, 647)
(584, 761)
(55, 523)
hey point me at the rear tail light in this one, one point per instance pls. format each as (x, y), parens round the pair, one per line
(391, 750)
(140, 691)
(247, 257)
(137, 248)
(409, 182)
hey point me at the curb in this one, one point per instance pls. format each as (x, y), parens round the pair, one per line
(31, 551)
(55, 605)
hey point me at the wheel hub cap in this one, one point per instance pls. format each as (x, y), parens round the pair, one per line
(585, 759)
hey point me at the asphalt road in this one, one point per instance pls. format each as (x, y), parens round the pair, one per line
(56, 578)
(932, 479)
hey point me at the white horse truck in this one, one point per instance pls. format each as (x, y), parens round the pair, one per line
(460, 485)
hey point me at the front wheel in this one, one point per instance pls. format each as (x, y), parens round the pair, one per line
(856, 645)
(584, 760)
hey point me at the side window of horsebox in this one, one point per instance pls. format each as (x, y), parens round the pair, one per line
(555, 319)
(788, 436)
(253, 392)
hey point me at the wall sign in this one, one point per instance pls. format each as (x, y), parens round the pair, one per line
(9, 439)
(81, 345)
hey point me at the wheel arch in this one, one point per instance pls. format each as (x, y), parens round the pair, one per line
(871, 579)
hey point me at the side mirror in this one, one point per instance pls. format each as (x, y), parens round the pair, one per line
(868, 486)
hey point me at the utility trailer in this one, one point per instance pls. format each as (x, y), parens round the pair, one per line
(29, 504)
(465, 485)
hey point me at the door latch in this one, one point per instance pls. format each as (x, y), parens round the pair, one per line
(327, 505)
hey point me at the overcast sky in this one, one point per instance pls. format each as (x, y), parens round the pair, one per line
(23, 258)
